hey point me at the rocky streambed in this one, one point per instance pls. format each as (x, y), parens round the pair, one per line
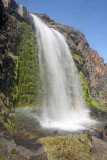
(30, 141)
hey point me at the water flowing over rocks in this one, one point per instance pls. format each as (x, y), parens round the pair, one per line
(87, 61)
(62, 90)
(92, 65)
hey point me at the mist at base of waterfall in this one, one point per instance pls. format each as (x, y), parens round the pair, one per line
(35, 122)
(75, 122)
(63, 105)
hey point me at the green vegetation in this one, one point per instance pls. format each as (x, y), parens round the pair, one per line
(78, 59)
(87, 96)
(86, 93)
(2, 99)
(100, 94)
(13, 151)
(26, 89)
(103, 106)
(26, 134)
(75, 147)
(8, 123)
(84, 82)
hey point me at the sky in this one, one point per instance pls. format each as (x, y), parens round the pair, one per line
(87, 16)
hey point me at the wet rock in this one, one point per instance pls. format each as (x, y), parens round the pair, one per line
(105, 127)
(100, 135)
(99, 115)
(55, 132)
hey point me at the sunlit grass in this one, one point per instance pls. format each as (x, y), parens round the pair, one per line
(71, 147)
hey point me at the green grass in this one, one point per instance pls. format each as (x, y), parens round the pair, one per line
(71, 147)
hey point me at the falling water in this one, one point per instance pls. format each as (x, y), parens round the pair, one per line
(63, 105)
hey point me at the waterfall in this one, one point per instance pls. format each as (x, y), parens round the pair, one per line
(63, 105)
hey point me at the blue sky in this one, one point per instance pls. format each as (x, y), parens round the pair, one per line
(87, 16)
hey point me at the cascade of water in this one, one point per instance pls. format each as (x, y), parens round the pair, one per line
(63, 105)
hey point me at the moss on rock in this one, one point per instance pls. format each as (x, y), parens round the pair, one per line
(87, 96)
(75, 147)
(26, 88)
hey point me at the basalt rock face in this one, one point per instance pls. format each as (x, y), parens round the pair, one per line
(13, 6)
(23, 12)
(8, 51)
(17, 49)
(10, 37)
(98, 75)
(87, 60)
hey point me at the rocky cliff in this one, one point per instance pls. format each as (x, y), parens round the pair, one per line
(12, 32)
(20, 85)
(17, 49)
(13, 6)
(8, 35)
(87, 60)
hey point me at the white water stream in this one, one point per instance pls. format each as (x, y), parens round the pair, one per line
(63, 105)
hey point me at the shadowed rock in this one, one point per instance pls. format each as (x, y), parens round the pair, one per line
(20, 148)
